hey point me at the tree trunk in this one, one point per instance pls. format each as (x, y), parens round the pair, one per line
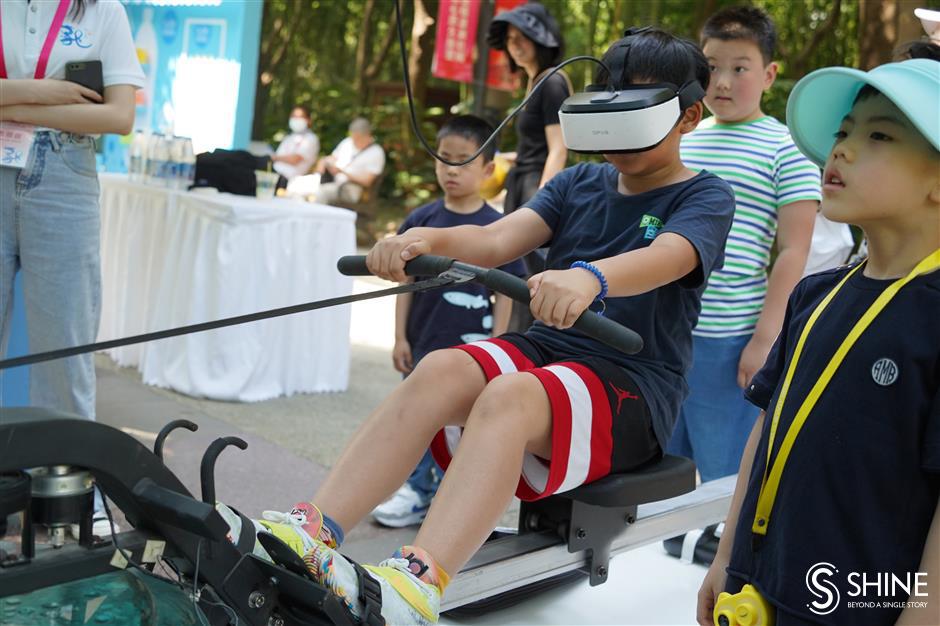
(378, 59)
(592, 34)
(363, 50)
(877, 31)
(706, 8)
(819, 34)
(271, 54)
(422, 47)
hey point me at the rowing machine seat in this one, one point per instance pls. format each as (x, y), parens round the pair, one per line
(666, 478)
(591, 516)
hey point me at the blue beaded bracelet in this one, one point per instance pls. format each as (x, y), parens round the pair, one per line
(597, 273)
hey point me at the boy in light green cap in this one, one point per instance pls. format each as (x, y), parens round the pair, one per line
(835, 517)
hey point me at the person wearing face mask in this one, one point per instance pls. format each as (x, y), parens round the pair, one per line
(298, 151)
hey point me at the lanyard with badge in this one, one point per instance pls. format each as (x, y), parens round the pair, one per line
(772, 474)
(17, 139)
(749, 601)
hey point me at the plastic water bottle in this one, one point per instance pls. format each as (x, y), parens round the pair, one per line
(136, 161)
(159, 154)
(187, 164)
(173, 162)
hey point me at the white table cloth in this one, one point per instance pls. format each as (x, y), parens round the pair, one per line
(171, 258)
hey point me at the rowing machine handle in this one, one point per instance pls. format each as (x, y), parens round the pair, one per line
(590, 323)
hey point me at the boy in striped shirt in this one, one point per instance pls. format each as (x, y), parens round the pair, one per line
(777, 192)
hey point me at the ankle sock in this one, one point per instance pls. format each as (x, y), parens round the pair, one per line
(423, 566)
(334, 530)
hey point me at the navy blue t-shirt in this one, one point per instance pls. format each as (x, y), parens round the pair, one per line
(456, 314)
(860, 486)
(591, 220)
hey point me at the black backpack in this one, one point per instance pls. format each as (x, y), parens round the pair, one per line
(229, 170)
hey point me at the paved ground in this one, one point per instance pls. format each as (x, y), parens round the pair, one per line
(292, 442)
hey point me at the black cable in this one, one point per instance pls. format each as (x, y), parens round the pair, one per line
(411, 104)
(51, 355)
(124, 553)
(196, 593)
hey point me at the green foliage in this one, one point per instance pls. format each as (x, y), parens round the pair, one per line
(309, 57)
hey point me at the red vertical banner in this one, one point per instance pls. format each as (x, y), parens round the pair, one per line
(456, 38)
(498, 75)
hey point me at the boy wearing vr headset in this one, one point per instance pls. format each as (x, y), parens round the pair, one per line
(542, 412)
(836, 517)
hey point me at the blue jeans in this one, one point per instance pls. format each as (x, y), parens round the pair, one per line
(426, 477)
(49, 231)
(716, 419)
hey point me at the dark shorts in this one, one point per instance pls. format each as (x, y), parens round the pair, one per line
(600, 421)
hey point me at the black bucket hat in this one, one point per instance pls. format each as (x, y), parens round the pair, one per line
(532, 19)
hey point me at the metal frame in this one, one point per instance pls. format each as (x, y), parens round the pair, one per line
(542, 555)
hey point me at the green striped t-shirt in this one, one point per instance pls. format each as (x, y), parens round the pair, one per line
(763, 166)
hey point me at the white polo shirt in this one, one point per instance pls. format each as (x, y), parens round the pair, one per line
(369, 160)
(102, 34)
(307, 145)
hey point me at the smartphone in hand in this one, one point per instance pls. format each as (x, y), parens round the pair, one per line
(87, 74)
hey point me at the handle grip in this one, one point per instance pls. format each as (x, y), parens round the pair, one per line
(595, 326)
(425, 265)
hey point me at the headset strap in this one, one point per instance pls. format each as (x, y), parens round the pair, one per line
(771, 479)
(619, 64)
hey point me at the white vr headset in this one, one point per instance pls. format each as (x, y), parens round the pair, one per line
(633, 119)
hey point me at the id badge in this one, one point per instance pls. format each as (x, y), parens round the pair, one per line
(15, 142)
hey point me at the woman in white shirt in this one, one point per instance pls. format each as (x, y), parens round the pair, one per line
(298, 151)
(49, 214)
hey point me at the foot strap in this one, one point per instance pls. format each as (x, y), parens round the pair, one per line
(245, 543)
(370, 595)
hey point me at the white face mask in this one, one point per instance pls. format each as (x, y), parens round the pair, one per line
(297, 124)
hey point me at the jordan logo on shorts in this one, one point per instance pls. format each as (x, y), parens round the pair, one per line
(622, 395)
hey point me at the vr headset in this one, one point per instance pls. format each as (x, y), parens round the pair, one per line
(633, 118)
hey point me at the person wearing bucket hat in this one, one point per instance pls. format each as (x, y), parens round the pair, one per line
(840, 479)
(533, 43)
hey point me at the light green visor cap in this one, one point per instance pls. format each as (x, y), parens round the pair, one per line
(821, 99)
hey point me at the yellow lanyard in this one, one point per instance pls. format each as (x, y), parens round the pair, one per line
(771, 480)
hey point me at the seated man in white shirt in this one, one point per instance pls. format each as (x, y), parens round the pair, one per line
(354, 165)
(298, 151)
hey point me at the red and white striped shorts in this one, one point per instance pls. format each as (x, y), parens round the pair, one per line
(600, 421)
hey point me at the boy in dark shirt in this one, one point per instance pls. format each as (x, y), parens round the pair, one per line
(835, 518)
(542, 412)
(461, 313)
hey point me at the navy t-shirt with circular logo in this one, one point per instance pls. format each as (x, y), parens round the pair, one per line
(859, 490)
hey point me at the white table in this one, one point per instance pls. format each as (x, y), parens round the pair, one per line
(171, 258)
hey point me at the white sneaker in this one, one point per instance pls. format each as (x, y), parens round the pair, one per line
(100, 526)
(405, 508)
